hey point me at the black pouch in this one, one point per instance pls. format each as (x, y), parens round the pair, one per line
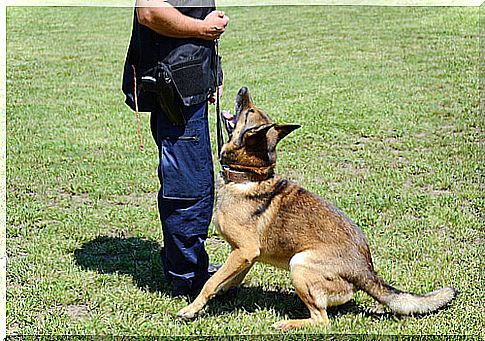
(185, 77)
(159, 80)
(191, 69)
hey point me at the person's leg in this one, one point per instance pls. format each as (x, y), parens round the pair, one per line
(186, 196)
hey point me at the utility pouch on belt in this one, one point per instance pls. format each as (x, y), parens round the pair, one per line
(184, 78)
(159, 80)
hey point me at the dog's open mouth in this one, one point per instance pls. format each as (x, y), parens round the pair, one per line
(229, 118)
(229, 122)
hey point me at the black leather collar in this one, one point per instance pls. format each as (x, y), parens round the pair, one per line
(231, 175)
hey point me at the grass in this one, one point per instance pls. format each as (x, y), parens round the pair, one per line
(392, 134)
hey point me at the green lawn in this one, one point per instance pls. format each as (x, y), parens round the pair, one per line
(392, 134)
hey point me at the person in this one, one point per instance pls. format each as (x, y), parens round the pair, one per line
(171, 59)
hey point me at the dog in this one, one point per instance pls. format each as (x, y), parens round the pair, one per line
(268, 219)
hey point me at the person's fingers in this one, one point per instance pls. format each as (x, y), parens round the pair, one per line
(212, 98)
(226, 20)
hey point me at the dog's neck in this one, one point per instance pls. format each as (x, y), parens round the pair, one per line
(241, 174)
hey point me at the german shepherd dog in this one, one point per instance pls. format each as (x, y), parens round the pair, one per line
(272, 220)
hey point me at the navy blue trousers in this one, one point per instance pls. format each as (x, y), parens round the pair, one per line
(186, 196)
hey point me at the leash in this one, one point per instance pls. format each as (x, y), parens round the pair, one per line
(220, 138)
(142, 148)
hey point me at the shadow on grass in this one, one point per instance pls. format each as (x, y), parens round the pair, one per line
(287, 304)
(252, 299)
(132, 256)
(141, 260)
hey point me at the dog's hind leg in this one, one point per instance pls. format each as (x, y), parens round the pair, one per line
(311, 290)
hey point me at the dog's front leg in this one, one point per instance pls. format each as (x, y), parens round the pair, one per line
(234, 282)
(239, 260)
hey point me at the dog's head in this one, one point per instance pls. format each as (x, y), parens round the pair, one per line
(252, 136)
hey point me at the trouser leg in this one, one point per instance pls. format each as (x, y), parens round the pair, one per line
(185, 199)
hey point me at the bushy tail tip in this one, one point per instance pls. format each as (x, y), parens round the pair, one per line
(408, 303)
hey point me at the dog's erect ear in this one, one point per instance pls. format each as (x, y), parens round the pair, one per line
(279, 131)
(253, 136)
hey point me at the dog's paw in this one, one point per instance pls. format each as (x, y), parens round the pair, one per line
(294, 324)
(288, 324)
(186, 313)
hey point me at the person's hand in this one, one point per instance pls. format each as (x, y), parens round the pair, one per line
(212, 98)
(214, 25)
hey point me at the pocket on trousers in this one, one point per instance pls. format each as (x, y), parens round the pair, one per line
(183, 166)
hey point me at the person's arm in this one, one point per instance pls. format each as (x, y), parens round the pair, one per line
(166, 20)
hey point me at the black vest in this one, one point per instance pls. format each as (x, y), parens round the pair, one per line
(147, 48)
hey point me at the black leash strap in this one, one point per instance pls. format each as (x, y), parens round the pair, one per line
(220, 137)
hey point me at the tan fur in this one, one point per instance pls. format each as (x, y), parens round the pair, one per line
(279, 223)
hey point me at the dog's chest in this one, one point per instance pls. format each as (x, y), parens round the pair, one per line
(231, 198)
(233, 207)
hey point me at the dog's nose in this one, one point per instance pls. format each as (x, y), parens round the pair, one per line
(242, 100)
(243, 91)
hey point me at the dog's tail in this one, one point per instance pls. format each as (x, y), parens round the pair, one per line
(406, 303)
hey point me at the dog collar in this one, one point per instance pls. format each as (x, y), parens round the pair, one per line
(231, 175)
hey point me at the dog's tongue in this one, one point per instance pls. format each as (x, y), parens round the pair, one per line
(229, 117)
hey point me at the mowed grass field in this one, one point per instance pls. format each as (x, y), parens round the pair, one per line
(392, 134)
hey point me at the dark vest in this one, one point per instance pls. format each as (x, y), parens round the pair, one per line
(147, 48)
